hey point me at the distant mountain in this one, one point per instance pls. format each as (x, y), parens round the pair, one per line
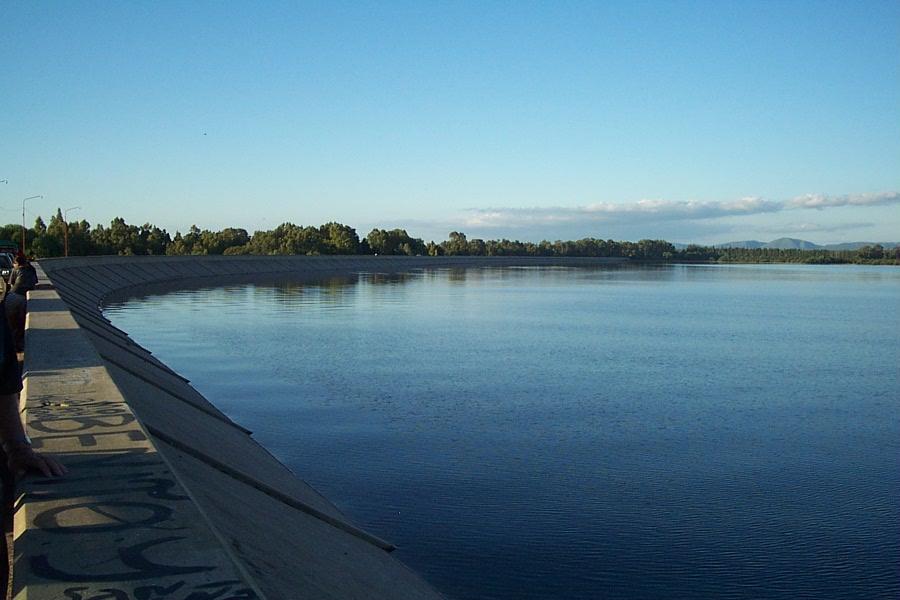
(792, 244)
(779, 244)
(857, 245)
(751, 244)
(795, 244)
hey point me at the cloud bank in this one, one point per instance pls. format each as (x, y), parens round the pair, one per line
(665, 210)
(820, 201)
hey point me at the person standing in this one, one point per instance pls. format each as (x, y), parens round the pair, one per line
(20, 456)
(22, 280)
(17, 456)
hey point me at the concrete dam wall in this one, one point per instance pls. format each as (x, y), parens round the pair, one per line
(167, 497)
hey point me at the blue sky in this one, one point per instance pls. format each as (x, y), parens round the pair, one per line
(702, 122)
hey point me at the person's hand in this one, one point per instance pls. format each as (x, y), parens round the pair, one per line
(23, 459)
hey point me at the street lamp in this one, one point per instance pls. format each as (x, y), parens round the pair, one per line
(66, 227)
(23, 219)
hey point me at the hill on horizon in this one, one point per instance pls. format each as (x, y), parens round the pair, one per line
(786, 243)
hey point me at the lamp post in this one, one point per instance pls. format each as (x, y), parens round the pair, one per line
(23, 219)
(66, 228)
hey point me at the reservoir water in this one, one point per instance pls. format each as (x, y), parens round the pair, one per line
(621, 432)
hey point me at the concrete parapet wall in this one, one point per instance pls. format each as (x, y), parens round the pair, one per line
(166, 496)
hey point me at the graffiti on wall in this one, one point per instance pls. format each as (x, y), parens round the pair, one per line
(119, 525)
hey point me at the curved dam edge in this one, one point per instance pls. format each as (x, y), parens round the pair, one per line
(167, 496)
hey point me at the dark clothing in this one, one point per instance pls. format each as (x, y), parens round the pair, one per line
(23, 279)
(10, 383)
(10, 375)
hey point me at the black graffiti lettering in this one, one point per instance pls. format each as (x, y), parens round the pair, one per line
(147, 592)
(107, 594)
(126, 517)
(119, 420)
(101, 478)
(134, 458)
(88, 440)
(218, 590)
(59, 398)
(141, 593)
(133, 556)
(130, 556)
(74, 592)
(67, 408)
(156, 487)
(51, 400)
(225, 587)
(87, 422)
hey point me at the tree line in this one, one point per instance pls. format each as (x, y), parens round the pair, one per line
(80, 239)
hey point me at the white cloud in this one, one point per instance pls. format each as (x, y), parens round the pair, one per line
(650, 211)
(691, 209)
(820, 201)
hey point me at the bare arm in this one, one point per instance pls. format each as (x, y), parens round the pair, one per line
(20, 456)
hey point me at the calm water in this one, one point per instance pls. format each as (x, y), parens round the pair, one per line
(676, 432)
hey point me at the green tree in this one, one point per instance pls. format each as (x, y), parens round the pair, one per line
(477, 247)
(124, 239)
(303, 240)
(654, 250)
(230, 237)
(263, 242)
(48, 240)
(288, 238)
(187, 244)
(339, 239)
(875, 252)
(696, 253)
(395, 241)
(207, 242)
(457, 245)
(80, 238)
